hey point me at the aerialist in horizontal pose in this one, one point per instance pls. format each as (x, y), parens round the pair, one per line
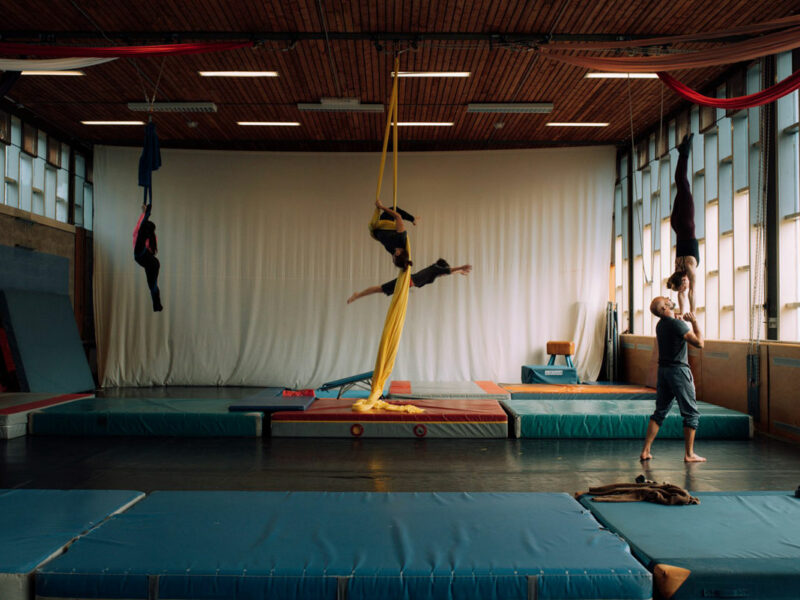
(687, 253)
(418, 279)
(145, 248)
(388, 228)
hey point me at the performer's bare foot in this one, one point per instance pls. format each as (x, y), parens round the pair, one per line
(352, 298)
(685, 145)
(645, 455)
(693, 458)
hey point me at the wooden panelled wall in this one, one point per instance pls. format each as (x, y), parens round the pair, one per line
(720, 373)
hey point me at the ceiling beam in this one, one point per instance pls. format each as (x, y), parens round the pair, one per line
(50, 37)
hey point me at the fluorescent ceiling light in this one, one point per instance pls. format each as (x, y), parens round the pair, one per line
(55, 73)
(576, 124)
(268, 123)
(433, 74)
(598, 75)
(112, 122)
(179, 107)
(513, 107)
(238, 73)
(425, 124)
(340, 105)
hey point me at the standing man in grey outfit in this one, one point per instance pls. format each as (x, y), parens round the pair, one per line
(674, 377)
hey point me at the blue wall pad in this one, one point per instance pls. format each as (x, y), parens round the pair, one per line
(325, 545)
(549, 374)
(22, 269)
(44, 342)
(618, 419)
(146, 416)
(36, 525)
(736, 544)
(271, 404)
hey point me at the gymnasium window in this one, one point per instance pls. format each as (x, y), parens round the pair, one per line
(621, 244)
(36, 176)
(11, 174)
(788, 166)
(62, 186)
(726, 179)
(79, 179)
(638, 253)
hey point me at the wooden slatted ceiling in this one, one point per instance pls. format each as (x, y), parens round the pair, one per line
(498, 75)
(509, 16)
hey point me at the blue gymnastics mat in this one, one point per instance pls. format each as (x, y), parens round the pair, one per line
(618, 419)
(36, 525)
(734, 544)
(193, 417)
(45, 343)
(359, 546)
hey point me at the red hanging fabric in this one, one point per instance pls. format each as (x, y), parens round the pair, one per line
(7, 49)
(780, 89)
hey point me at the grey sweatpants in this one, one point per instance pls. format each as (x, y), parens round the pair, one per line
(676, 383)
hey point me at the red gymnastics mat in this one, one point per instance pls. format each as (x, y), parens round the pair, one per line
(442, 418)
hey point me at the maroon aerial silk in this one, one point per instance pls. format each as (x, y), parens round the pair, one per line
(7, 49)
(780, 89)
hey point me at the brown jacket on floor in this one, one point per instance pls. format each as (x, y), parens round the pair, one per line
(660, 493)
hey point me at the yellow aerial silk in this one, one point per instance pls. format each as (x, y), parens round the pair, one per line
(396, 316)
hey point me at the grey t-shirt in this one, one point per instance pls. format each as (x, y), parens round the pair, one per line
(672, 350)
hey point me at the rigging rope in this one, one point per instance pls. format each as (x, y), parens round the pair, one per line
(639, 214)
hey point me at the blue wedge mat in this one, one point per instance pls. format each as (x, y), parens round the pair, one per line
(146, 416)
(277, 545)
(264, 402)
(736, 544)
(320, 393)
(618, 419)
(345, 380)
(44, 341)
(23, 269)
(36, 524)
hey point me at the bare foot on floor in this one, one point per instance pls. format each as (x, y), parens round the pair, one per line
(645, 456)
(693, 458)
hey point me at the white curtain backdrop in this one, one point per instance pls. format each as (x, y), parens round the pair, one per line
(259, 252)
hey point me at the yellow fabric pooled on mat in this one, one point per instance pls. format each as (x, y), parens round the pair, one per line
(387, 351)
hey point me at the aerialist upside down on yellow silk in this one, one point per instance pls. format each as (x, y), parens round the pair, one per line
(396, 316)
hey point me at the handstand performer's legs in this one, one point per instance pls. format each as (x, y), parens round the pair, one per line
(682, 218)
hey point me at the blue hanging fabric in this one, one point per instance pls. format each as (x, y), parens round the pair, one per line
(149, 161)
